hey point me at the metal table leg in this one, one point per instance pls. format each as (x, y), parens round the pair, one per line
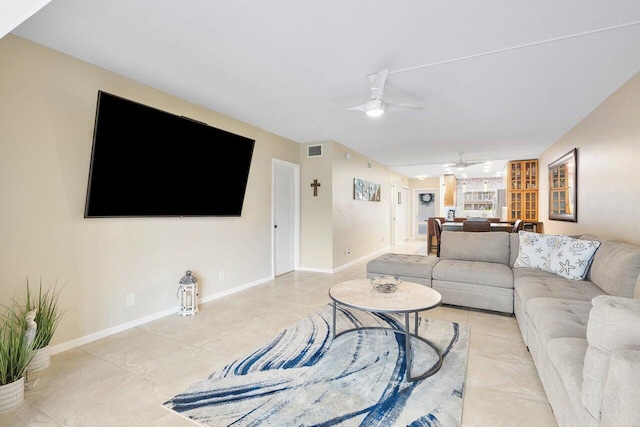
(407, 342)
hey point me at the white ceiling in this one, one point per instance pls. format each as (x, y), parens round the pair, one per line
(498, 80)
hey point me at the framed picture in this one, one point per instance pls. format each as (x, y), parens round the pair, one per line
(563, 188)
(365, 190)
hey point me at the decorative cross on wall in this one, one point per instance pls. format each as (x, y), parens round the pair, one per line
(315, 184)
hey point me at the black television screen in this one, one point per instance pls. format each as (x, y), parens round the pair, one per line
(148, 162)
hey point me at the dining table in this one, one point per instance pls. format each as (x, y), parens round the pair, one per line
(495, 226)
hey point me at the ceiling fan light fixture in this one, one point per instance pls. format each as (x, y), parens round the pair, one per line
(374, 108)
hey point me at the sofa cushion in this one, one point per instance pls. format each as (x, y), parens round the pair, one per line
(621, 392)
(571, 257)
(474, 272)
(613, 325)
(514, 244)
(402, 265)
(615, 267)
(530, 283)
(567, 357)
(557, 318)
(468, 246)
(483, 297)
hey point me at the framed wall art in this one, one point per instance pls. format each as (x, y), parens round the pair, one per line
(365, 190)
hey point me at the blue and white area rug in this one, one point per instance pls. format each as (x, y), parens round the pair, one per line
(303, 377)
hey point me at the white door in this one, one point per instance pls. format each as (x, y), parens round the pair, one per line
(285, 216)
(393, 214)
(402, 215)
(406, 214)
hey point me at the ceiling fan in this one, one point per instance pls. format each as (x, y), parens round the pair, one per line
(461, 164)
(376, 106)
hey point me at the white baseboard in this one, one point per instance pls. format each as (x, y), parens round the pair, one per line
(342, 267)
(174, 310)
(316, 270)
(146, 319)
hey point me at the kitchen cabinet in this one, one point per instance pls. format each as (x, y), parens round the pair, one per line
(450, 189)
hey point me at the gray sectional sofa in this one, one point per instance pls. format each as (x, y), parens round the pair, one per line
(583, 335)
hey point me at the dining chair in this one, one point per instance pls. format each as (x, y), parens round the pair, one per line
(477, 218)
(517, 226)
(431, 232)
(476, 226)
(437, 228)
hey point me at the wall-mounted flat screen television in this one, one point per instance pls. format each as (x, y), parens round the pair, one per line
(150, 163)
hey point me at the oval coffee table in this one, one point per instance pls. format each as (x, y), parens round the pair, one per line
(408, 298)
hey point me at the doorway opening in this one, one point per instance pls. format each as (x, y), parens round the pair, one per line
(426, 205)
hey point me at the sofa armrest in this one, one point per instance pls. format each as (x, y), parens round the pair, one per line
(612, 327)
(620, 406)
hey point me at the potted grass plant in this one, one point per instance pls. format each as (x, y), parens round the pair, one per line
(16, 352)
(48, 316)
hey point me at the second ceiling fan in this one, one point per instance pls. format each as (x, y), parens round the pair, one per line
(376, 106)
(461, 164)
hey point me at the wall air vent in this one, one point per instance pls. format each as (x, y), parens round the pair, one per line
(369, 165)
(314, 150)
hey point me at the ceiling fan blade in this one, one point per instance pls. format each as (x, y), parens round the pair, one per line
(403, 107)
(360, 107)
(377, 83)
(375, 106)
(448, 164)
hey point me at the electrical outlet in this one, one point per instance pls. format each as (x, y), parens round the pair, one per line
(348, 252)
(131, 300)
(221, 275)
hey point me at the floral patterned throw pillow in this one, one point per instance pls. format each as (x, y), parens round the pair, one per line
(571, 257)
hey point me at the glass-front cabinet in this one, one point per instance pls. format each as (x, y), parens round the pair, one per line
(522, 190)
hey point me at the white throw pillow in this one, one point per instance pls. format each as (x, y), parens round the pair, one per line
(535, 249)
(571, 257)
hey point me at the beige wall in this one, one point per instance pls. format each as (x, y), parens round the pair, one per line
(608, 143)
(363, 227)
(315, 212)
(47, 109)
(333, 221)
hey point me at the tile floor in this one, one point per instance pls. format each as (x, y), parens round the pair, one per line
(123, 379)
